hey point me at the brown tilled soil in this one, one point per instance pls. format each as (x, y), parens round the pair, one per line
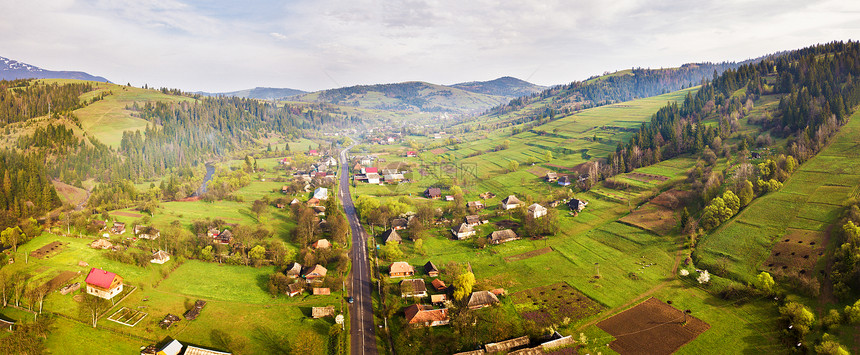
(529, 254)
(505, 224)
(651, 327)
(438, 151)
(646, 177)
(795, 255)
(126, 214)
(554, 303)
(47, 250)
(60, 280)
(654, 218)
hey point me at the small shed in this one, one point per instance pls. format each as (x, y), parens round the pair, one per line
(431, 270)
(320, 312)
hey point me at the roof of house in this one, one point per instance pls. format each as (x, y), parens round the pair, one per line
(417, 285)
(574, 203)
(401, 266)
(430, 267)
(322, 243)
(473, 219)
(226, 234)
(296, 269)
(399, 222)
(369, 170)
(551, 174)
(319, 312)
(438, 284)
(503, 234)
(564, 179)
(321, 291)
(318, 270)
(511, 200)
(193, 350)
(474, 203)
(536, 207)
(438, 298)
(417, 313)
(506, 345)
(434, 191)
(482, 298)
(160, 255)
(100, 278)
(391, 235)
(464, 228)
(172, 348)
(296, 287)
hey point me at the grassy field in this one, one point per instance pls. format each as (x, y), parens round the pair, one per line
(811, 199)
(237, 302)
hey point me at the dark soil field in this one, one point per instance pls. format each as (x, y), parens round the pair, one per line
(529, 254)
(47, 250)
(658, 215)
(796, 253)
(60, 280)
(126, 214)
(554, 304)
(646, 177)
(504, 224)
(651, 327)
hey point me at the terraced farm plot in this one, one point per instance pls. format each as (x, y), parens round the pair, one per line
(652, 327)
(554, 304)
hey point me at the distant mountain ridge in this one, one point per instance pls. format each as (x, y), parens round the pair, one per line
(505, 86)
(260, 93)
(11, 69)
(412, 96)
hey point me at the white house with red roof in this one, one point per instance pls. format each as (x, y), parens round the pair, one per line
(103, 284)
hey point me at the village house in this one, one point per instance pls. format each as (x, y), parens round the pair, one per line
(321, 244)
(430, 269)
(118, 228)
(576, 205)
(321, 291)
(399, 223)
(160, 257)
(473, 220)
(372, 178)
(401, 269)
(313, 153)
(225, 237)
(387, 171)
(313, 202)
(174, 347)
(392, 236)
(511, 202)
(320, 312)
(449, 198)
(463, 231)
(194, 350)
(146, 232)
(537, 211)
(366, 161)
(420, 315)
(369, 170)
(411, 154)
(503, 236)
(433, 192)
(315, 274)
(213, 232)
(439, 285)
(329, 161)
(100, 225)
(551, 176)
(438, 299)
(103, 284)
(393, 178)
(413, 288)
(477, 205)
(321, 193)
(481, 299)
(101, 244)
(294, 271)
(564, 181)
(295, 288)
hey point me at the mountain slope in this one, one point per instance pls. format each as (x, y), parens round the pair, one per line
(259, 93)
(411, 96)
(505, 86)
(12, 69)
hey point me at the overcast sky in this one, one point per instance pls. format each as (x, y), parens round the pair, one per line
(317, 44)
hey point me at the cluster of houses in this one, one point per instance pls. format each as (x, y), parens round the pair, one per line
(307, 276)
(374, 175)
(435, 313)
(565, 180)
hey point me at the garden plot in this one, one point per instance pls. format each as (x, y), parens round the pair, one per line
(651, 327)
(658, 215)
(556, 304)
(47, 250)
(796, 253)
(127, 316)
(60, 280)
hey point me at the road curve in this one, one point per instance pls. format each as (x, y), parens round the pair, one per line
(362, 330)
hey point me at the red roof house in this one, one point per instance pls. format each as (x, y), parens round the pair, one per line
(103, 284)
(371, 170)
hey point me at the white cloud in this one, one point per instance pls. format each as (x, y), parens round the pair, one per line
(315, 44)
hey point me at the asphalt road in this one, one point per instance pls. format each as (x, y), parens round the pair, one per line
(363, 332)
